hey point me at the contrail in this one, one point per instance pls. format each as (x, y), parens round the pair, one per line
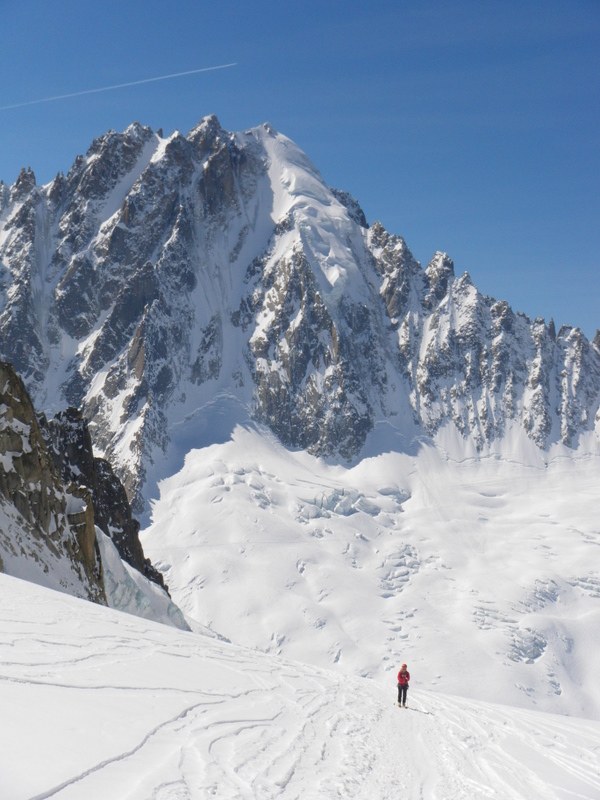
(116, 86)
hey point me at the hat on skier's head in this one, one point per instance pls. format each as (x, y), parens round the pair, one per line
(403, 665)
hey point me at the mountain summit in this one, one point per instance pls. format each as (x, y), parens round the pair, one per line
(165, 280)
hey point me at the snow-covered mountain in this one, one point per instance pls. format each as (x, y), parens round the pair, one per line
(342, 458)
(345, 461)
(162, 273)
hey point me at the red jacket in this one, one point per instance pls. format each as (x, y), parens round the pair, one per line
(403, 677)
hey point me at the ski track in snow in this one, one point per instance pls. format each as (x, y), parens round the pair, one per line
(98, 704)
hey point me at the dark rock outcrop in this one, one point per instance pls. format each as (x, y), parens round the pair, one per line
(55, 523)
(70, 446)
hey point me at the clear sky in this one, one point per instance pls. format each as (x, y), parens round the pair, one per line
(470, 126)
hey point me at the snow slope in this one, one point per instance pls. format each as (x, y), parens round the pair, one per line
(480, 572)
(99, 704)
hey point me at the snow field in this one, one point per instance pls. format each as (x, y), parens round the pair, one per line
(100, 704)
(481, 573)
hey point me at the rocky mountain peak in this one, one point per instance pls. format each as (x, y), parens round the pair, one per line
(4, 196)
(205, 135)
(56, 188)
(163, 272)
(109, 159)
(24, 183)
(439, 272)
(351, 204)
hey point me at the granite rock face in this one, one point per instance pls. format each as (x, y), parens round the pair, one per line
(161, 273)
(470, 360)
(47, 523)
(54, 494)
(70, 447)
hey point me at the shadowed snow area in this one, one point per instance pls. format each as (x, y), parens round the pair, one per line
(99, 704)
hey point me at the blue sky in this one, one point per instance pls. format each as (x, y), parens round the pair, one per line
(469, 127)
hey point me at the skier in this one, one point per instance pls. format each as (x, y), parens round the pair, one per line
(403, 679)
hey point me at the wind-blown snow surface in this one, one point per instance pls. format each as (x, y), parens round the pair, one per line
(98, 704)
(482, 574)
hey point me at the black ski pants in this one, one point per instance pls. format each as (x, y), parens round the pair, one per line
(402, 689)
